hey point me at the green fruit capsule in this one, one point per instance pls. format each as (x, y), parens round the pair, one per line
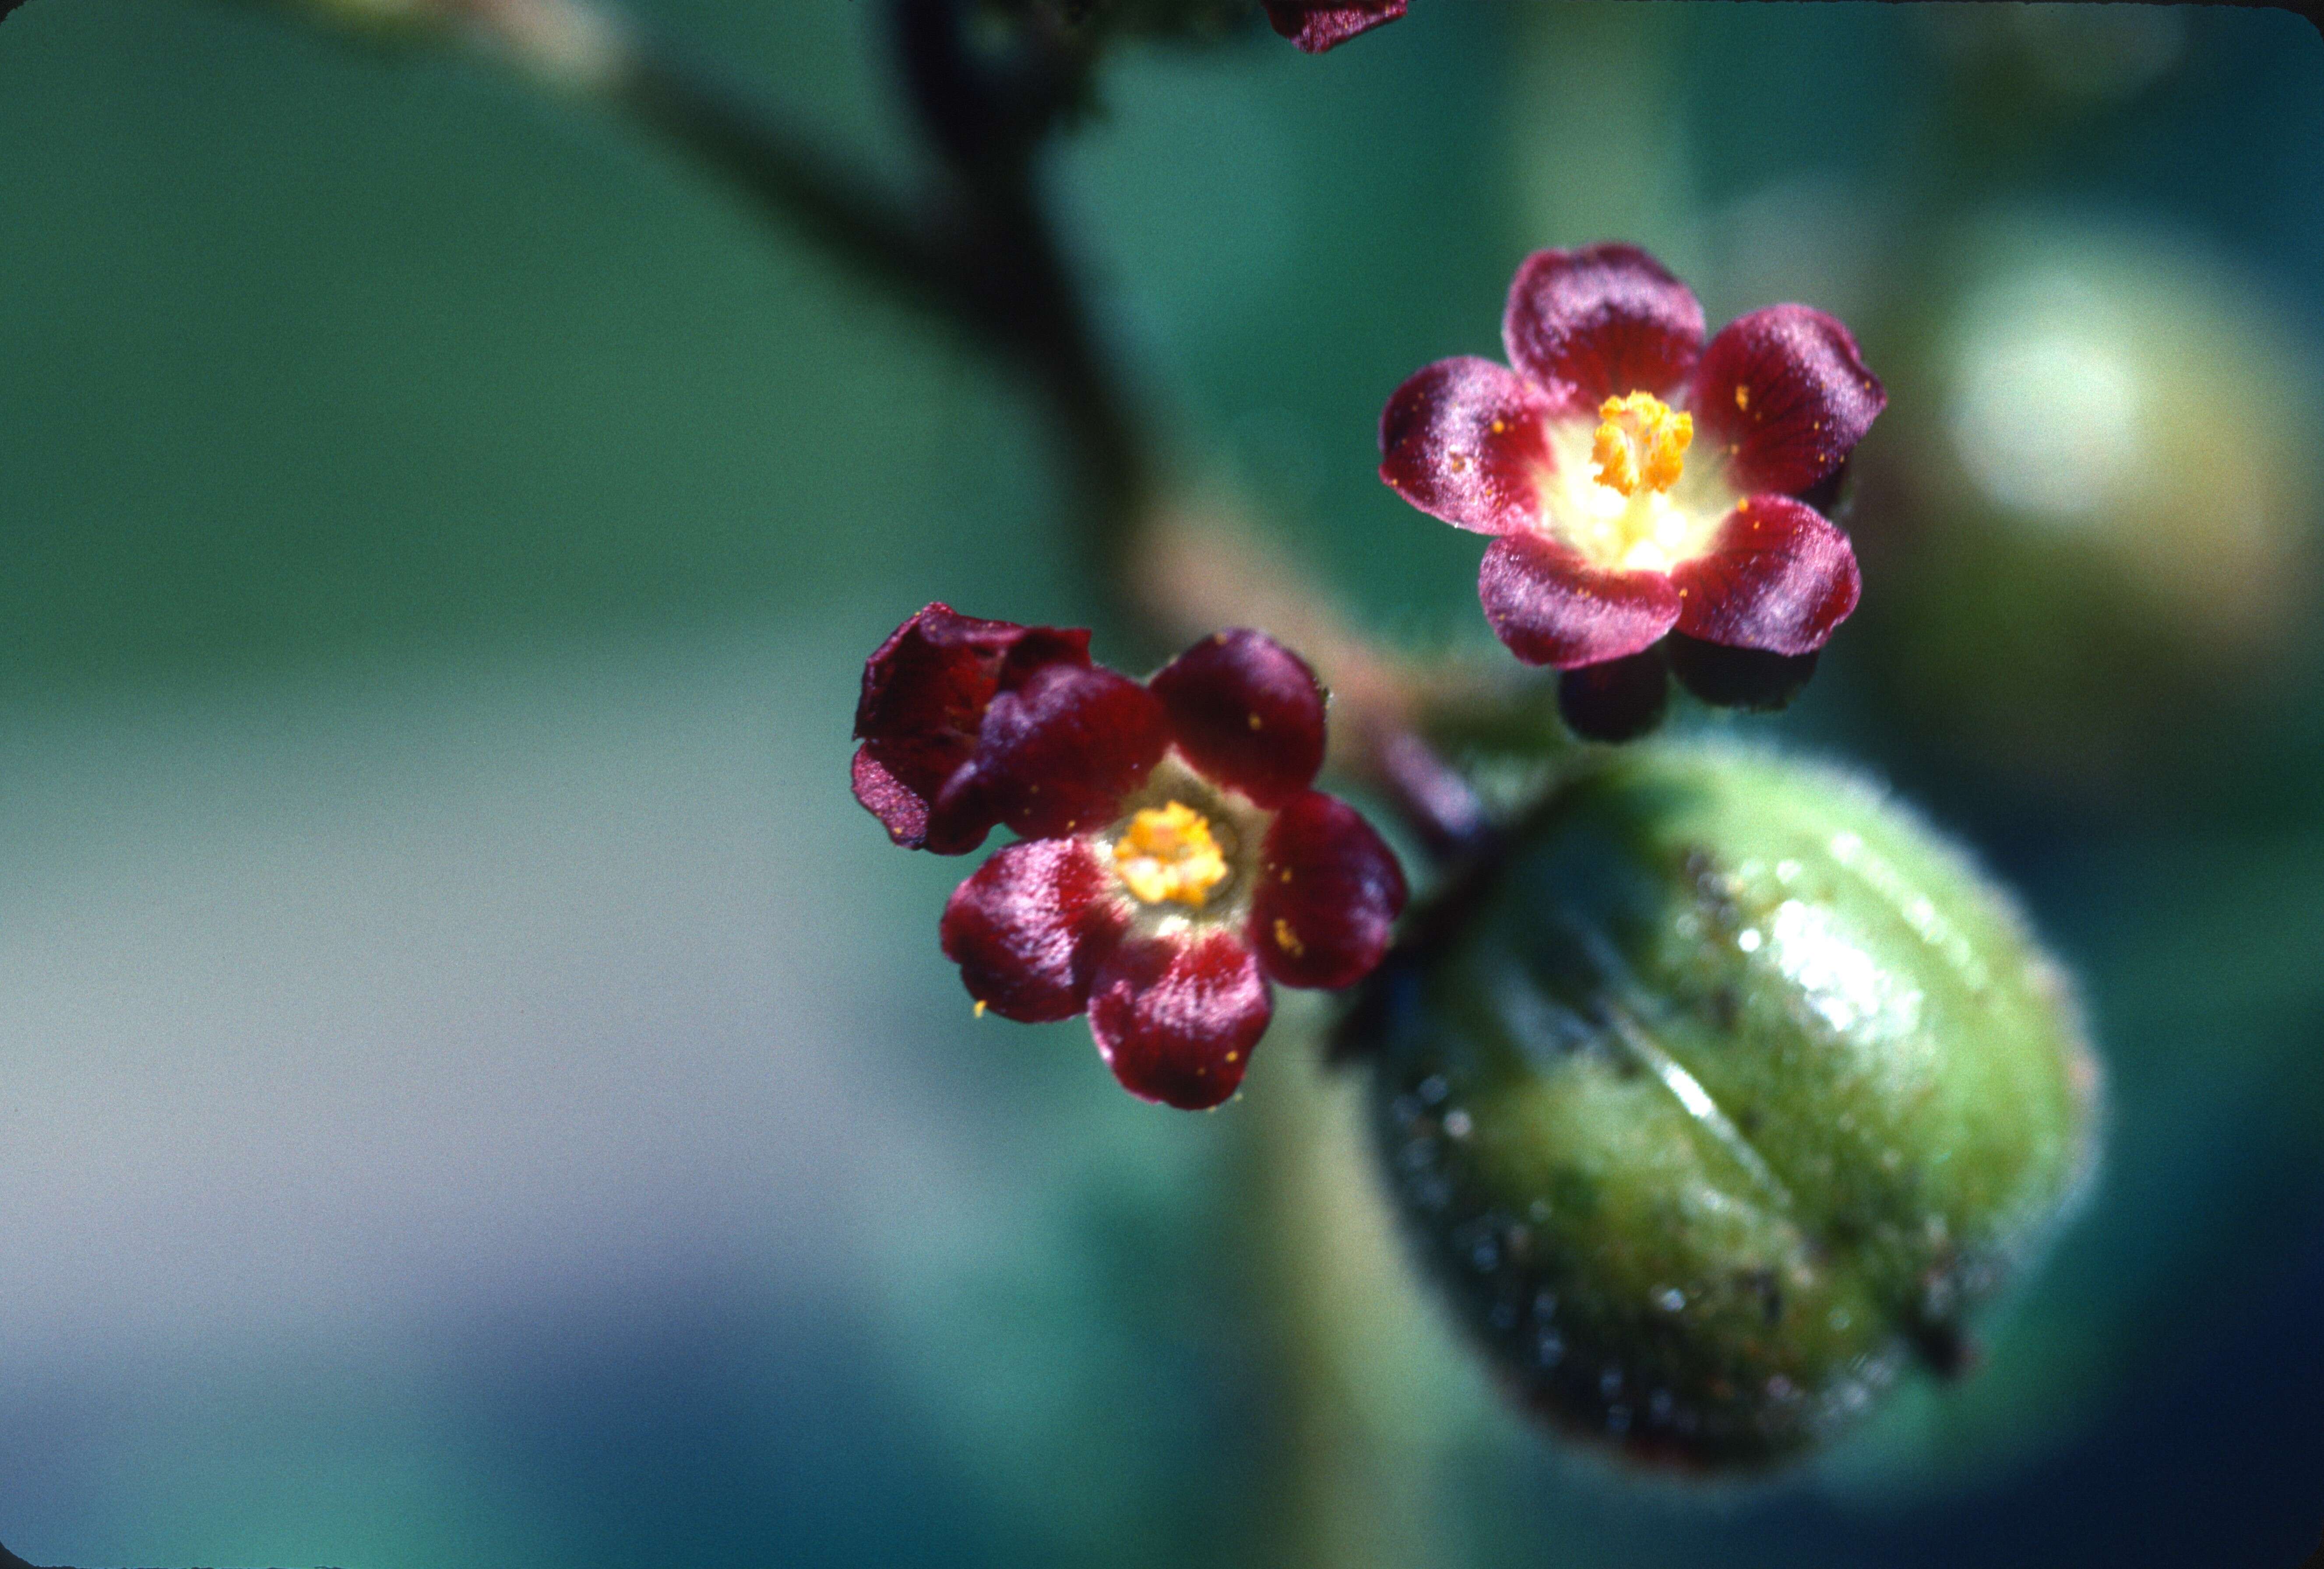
(1734, 1089)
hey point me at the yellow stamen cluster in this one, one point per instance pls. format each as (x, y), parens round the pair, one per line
(1169, 852)
(1641, 443)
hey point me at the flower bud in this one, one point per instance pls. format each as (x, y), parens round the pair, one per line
(2097, 530)
(1733, 1091)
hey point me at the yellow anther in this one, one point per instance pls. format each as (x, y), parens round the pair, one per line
(1641, 443)
(1169, 852)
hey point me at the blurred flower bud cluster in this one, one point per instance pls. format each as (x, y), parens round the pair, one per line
(2097, 541)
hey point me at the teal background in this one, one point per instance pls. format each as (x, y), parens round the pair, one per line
(474, 1090)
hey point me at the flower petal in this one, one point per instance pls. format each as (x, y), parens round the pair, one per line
(925, 694)
(1778, 577)
(1728, 678)
(1175, 1019)
(1318, 27)
(1553, 607)
(1784, 392)
(1462, 441)
(1328, 891)
(901, 810)
(961, 814)
(1600, 323)
(1247, 712)
(1031, 925)
(1060, 751)
(1617, 700)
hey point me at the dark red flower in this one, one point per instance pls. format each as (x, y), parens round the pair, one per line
(1175, 859)
(1316, 25)
(1638, 482)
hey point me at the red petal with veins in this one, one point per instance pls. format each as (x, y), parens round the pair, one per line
(1778, 576)
(925, 694)
(1318, 27)
(1552, 607)
(1031, 926)
(1600, 323)
(1247, 712)
(1329, 892)
(1462, 441)
(1059, 752)
(1175, 1019)
(1784, 392)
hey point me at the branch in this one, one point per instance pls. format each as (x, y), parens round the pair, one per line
(790, 179)
(982, 251)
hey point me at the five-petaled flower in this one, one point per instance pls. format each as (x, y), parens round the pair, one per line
(1316, 25)
(1174, 858)
(1639, 482)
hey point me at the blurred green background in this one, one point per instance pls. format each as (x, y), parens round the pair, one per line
(474, 1090)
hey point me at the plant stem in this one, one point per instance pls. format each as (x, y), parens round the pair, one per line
(791, 180)
(988, 117)
(983, 253)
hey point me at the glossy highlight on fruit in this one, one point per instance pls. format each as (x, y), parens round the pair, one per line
(1733, 1091)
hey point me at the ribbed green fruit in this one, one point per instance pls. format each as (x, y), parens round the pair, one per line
(1732, 1091)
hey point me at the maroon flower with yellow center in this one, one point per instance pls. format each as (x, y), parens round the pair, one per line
(1638, 482)
(1175, 859)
